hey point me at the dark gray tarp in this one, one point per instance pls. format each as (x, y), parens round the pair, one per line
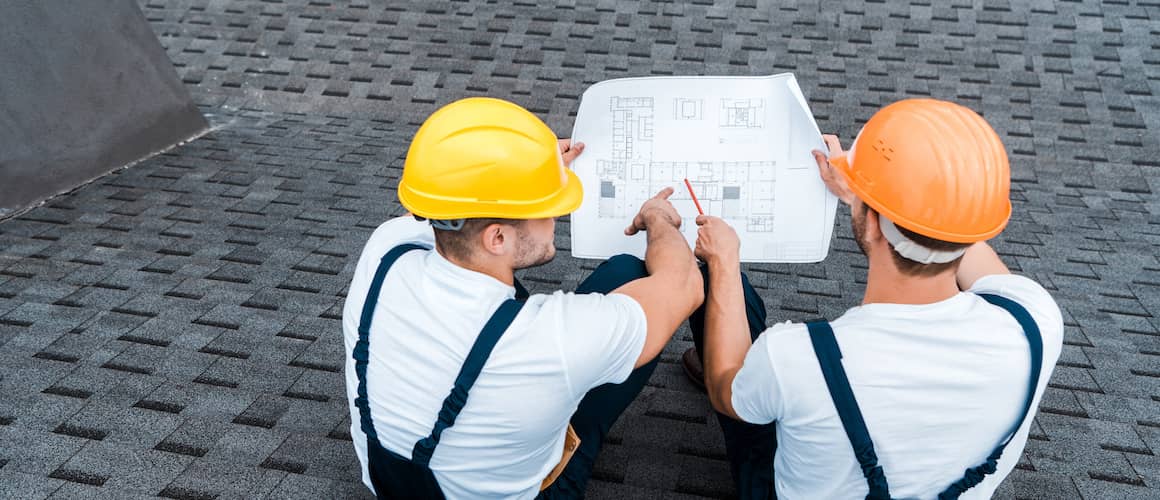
(85, 88)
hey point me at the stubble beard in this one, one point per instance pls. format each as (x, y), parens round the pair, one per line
(858, 227)
(532, 255)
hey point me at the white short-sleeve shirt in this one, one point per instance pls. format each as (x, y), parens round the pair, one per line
(511, 432)
(939, 385)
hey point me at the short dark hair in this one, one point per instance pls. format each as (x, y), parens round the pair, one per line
(458, 243)
(918, 269)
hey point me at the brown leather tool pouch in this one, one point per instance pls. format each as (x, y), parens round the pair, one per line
(571, 444)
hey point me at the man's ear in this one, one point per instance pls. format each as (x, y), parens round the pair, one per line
(493, 238)
(873, 228)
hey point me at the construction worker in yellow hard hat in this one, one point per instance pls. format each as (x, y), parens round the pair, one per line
(462, 385)
(927, 389)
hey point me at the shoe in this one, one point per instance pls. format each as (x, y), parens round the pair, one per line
(691, 362)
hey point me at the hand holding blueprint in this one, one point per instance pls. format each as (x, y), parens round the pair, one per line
(744, 143)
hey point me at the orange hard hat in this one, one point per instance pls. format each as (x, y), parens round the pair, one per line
(933, 167)
(481, 157)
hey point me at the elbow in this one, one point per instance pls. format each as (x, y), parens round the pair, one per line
(719, 385)
(719, 405)
(720, 396)
(696, 286)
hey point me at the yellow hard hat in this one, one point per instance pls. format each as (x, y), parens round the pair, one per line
(480, 158)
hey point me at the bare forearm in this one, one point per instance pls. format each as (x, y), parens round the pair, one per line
(671, 291)
(979, 261)
(726, 333)
(668, 253)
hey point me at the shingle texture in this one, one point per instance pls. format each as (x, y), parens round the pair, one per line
(173, 329)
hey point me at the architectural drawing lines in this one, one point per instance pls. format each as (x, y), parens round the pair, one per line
(742, 113)
(742, 143)
(688, 109)
(738, 190)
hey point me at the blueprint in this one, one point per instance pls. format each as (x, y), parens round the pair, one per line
(744, 144)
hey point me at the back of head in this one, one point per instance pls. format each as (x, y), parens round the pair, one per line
(936, 173)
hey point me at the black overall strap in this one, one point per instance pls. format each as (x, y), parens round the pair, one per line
(393, 475)
(472, 366)
(362, 347)
(975, 475)
(830, 359)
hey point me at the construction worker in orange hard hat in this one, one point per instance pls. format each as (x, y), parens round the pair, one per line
(460, 383)
(928, 388)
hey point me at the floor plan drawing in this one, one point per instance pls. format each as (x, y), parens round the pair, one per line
(688, 109)
(743, 190)
(732, 145)
(743, 113)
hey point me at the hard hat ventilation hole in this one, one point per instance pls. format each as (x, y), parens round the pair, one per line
(448, 225)
(883, 149)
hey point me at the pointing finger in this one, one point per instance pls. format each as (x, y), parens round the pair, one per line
(664, 193)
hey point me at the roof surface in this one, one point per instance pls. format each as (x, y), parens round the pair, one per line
(173, 328)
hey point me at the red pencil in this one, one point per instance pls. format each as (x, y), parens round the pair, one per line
(694, 195)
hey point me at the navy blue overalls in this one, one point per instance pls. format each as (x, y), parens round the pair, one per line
(393, 475)
(830, 359)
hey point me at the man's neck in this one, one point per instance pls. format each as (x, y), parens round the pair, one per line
(501, 271)
(886, 285)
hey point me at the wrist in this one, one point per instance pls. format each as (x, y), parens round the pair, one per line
(847, 198)
(654, 216)
(723, 263)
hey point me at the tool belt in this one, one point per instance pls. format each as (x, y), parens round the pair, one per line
(571, 443)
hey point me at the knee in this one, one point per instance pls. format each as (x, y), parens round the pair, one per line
(613, 273)
(624, 259)
(629, 267)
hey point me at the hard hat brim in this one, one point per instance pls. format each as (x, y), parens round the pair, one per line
(842, 165)
(569, 198)
(563, 202)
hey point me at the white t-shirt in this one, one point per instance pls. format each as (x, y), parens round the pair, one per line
(939, 385)
(511, 432)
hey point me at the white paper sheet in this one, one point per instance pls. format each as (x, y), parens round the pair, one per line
(744, 143)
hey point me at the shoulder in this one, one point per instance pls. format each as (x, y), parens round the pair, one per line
(783, 340)
(401, 230)
(1028, 294)
(392, 233)
(599, 336)
(783, 348)
(591, 307)
(785, 330)
(1013, 286)
(766, 385)
(388, 235)
(590, 322)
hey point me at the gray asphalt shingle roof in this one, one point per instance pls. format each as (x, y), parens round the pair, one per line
(173, 328)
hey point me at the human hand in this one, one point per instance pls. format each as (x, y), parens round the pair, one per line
(830, 176)
(717, 241)
(569, 150)
(654, 210)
